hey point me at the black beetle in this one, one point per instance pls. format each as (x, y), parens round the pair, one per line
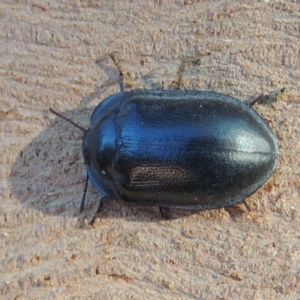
(184, 149)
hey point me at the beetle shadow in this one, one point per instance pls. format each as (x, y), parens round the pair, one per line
(49, 173)
(49, 169)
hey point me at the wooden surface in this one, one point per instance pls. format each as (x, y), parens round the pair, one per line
(56, 54)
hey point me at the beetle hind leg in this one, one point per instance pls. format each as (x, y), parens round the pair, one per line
(269, 98)
(257, 99)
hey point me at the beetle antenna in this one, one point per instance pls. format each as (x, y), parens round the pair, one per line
(84, 192)
(68, 120)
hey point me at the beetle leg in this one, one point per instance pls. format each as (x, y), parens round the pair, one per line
(269, 98)
(161, 212)
(259, 98)
(114, 58)
(121, 82)
(101, 201)
(84, 193)
(96, 213)
(246, 205)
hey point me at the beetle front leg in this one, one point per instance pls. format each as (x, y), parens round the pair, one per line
(84, 193)
(100, 206)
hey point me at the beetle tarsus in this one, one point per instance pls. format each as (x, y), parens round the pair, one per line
(84, 193)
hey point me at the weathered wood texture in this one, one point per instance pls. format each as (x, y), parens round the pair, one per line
(55, 54)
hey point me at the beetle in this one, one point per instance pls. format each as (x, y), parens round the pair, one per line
(187, 149)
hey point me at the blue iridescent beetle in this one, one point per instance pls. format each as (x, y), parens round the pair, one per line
(186, 149)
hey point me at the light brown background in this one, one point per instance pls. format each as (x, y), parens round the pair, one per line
(55, 54)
